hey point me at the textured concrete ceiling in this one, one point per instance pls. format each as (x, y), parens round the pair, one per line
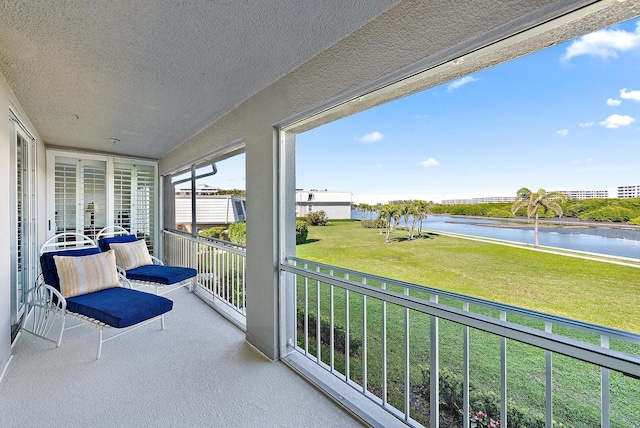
(153, 73)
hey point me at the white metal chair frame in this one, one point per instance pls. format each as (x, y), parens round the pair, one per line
(111, 231)
(46, 306)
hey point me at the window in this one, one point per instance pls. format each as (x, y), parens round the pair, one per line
(209, 195)
(536, 121)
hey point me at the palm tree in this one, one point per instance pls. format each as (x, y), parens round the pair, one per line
(390, 213)
(419, 210)
(405, 212)
(534, 200)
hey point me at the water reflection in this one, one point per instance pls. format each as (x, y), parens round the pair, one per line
(600, 240)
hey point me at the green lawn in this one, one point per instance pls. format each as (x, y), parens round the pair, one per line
(596, 292)
(592, 291)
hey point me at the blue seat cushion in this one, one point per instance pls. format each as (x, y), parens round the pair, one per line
(104, 243)
(48, 264)
(166, 275)
(119, 307)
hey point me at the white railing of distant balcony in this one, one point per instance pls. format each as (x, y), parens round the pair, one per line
(444, 333)
(221, 266)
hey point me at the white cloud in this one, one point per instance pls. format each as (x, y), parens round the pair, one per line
(563, 132)
(460, 82)
(586, 124)
(371, 138)
(421, 116)
(613, 103)
(429, 162)
(616, 121)
(630, 95)
(604, 44)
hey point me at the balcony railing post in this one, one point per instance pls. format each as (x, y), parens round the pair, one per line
(503, 375)
(318, 323)
(364, 340)
(465, 374)
(605, 384)
(434, 359)
(332, 326)
(384, 349)
(347, 334)
(407, 378)
(548, 327)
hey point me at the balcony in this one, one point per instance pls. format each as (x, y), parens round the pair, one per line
(363, 323)
(200, 371)
(152, 89)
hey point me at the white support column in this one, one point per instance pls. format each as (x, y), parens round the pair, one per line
(262, 243)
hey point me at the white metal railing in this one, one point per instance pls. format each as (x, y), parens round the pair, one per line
(340, 309)
(221, 265)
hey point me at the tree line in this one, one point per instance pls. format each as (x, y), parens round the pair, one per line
(538, 204)
(595, 209)
(388, 216)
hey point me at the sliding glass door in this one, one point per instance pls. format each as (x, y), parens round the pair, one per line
(23, 222)
(93, 191)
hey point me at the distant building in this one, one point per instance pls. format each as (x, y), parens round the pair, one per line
(456, 201)
(571, 194)
(485, 200)
(629, 191)
(584, 194)
(493, 199)
(336, 205)
(212, 209)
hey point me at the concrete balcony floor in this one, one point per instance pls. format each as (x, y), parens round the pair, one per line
(199, 372)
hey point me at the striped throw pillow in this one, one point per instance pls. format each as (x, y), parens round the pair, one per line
(132, 254)
(86, 274)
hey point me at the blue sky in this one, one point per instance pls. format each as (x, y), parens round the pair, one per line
(566, 118)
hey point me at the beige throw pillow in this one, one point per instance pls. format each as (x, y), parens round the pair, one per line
(86, 274)
(132, 254)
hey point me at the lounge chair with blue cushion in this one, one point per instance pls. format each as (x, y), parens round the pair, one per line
(133, 258)
(80, 280)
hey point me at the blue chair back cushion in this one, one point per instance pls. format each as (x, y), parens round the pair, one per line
(103, 243)
(166, 275)
(48, 265)
(119, 307)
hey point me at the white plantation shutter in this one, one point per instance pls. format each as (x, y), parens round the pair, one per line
(122, 177)
(134, 200)
(121, 192)
(94, 191)
(65, 194)
(145, 203)
(19, 214)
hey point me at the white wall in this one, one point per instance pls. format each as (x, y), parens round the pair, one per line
(411, 37)
(333, 210)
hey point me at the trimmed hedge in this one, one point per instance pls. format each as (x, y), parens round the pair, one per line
(212, 232)
(317, 218)
(373, 224)
(488, 402)
(238, 233)
(339, 335)
(302, 231)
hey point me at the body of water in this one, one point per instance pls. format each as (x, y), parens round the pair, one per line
(600, 240)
